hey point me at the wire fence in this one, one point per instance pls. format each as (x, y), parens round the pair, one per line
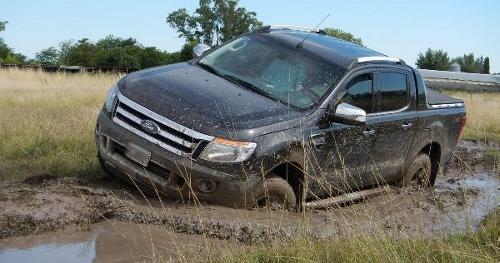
(69, 69)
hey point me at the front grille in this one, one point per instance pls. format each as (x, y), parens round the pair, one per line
(171, 136)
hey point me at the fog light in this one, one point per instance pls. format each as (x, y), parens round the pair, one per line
(206, 186)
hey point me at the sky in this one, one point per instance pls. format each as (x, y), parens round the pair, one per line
(396, 28)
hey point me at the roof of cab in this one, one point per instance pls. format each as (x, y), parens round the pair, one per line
(334, 50)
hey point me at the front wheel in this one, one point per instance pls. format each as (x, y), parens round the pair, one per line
(419, 172)
(275, 193)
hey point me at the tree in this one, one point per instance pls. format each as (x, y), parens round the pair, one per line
(468, 63)
(339, 33)
(7, 54)
(486, 66)
(82, 53)
(213, 22)
(433, 59)
(65, 48)
(186, 52)
(48, 56)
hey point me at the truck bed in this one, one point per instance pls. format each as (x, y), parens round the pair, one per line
(436, 98)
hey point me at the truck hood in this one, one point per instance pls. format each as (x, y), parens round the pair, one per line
(205, 102)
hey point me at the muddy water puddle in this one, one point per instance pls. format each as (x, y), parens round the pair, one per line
(112, 242)
(455, 205)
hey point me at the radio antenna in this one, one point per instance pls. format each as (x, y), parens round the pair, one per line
(301, 43)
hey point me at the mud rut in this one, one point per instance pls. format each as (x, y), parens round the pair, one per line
(463, 195)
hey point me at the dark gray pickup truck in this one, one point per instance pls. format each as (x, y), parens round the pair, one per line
(279, 116)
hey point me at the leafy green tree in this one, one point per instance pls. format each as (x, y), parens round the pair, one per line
(486, 66)
(82, 53)
(7, 54)
(433, 59)
(468, 63)
(213, 22)
(65, 48)
(48, 56)
(341, 34)
(186, 52)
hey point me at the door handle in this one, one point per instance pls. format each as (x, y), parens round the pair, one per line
(369, 132)
(406, 126)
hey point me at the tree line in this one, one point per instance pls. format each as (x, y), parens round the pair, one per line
(439, 60)
(108, 52)
(213, 22)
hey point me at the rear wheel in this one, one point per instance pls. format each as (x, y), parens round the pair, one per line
(275, 193)
(419, 173)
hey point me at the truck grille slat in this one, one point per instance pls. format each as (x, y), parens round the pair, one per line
(171, 136)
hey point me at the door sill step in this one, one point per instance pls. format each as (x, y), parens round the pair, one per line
(347, 198)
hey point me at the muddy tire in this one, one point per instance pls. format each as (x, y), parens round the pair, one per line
(419, 173)
(275, 193)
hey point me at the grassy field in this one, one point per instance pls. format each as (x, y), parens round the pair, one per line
(483, 115)
(47, 122)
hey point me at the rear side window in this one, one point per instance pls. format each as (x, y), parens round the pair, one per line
(393, 91)
(360, 92)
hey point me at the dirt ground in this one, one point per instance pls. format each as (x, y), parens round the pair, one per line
(465, 192)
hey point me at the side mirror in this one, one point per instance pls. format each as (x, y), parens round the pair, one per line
(349, 114)
(199, 49)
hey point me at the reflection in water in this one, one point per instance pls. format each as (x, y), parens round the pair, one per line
(111, 242)
(83, 251)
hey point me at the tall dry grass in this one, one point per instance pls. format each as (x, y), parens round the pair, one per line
(483, 115)
(47, 120)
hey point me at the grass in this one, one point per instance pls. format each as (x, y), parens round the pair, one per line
(47, 122)
(480, 246)
(483, 116)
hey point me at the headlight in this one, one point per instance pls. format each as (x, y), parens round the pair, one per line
(110, 99)
(223, 150)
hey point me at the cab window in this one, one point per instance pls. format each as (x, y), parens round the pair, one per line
(360, 92)
(393, 91)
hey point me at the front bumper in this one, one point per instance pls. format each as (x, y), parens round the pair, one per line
(168, 173)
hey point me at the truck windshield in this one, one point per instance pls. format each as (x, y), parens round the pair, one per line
(268, 67)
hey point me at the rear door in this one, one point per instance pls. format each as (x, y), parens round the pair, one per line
(393, 123)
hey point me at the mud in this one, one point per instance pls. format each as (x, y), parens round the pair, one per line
(465, 192)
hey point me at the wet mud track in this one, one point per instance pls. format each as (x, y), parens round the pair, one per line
(466, 191)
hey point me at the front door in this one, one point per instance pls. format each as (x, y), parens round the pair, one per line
(339, 153)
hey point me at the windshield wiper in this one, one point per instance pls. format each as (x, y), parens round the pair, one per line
(249, 86)
(210, 69)
(238, 81)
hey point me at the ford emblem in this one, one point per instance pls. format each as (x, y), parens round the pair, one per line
(150, 126)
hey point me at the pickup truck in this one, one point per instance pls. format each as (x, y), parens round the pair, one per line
(277, 117)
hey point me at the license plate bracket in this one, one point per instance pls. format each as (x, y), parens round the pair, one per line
(138, 154)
